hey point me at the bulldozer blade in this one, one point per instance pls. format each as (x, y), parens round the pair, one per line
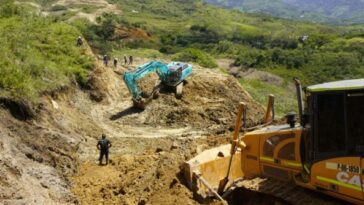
(212, 165)
(225, 180)
(222, 185)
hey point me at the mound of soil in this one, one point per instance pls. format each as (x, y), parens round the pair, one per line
(210, 101)
(131, 34)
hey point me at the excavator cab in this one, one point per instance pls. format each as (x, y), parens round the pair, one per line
(172, 75)
(323, 152)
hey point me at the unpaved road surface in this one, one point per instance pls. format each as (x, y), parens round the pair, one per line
(86, 9)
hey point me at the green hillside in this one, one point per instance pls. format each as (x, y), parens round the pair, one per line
(180, 30)
(328, 11)
(198, 32)
(37, 54)
(192, 30)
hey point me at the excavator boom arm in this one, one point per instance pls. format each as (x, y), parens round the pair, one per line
(171, 74)
(130, 78)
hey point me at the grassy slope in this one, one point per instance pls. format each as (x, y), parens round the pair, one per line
(344, 12)
(285, 100)
(163, 15)
(38, 54)
(232, 33)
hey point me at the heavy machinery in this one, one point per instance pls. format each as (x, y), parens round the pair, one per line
(324, 152)
(172, 75)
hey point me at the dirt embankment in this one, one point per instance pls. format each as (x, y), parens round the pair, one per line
(52, 159)
(36, 158)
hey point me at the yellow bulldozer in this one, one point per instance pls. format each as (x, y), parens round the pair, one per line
(323, 151)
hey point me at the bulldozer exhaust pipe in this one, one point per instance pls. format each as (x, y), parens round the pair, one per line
(299, 100)
(269, 113)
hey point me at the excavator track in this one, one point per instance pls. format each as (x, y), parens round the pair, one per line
(179, 90)
(280, 192)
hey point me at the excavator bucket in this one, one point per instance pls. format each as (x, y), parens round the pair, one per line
(139, 104)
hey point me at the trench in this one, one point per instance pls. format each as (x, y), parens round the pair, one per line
(243, 196)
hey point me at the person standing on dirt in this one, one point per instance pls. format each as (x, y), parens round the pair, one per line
(106, 60)
(79, 42)
(116, 63)
(125, 60)
(103, 145)
(130, 60)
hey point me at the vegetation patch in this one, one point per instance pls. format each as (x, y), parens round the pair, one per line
(195, 55)
(38, 54)
(197, 32)
(285, 100)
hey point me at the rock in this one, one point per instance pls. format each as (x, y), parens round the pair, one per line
(174, 145)
(200, 148)
(97, 96)
(173, 183)
(55, 104)
(44, 185)
(142, 202)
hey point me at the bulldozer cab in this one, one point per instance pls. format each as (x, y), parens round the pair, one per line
(334, 146)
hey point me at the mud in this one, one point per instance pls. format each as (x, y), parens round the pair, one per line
(147, 172)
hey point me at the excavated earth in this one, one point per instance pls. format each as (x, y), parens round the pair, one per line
(52, 158)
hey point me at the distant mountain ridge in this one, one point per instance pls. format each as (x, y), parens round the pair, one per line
(327, 11)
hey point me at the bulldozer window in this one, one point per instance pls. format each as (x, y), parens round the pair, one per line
(355, 120)
(330, 125)
(339, 124)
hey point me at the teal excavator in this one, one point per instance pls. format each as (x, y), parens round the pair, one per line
(171, 75)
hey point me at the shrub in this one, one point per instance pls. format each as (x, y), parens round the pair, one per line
(195, 55)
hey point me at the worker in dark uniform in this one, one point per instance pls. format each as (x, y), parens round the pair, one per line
(79, 41)
(116, 63)
(131, 60)
(125, 60)
(103, 145)
(106, 60)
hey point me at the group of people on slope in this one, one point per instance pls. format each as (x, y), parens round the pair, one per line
(127, 60)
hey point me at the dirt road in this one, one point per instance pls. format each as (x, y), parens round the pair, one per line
(149, 146)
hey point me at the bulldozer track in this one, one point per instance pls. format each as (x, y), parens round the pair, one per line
(288, 192)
